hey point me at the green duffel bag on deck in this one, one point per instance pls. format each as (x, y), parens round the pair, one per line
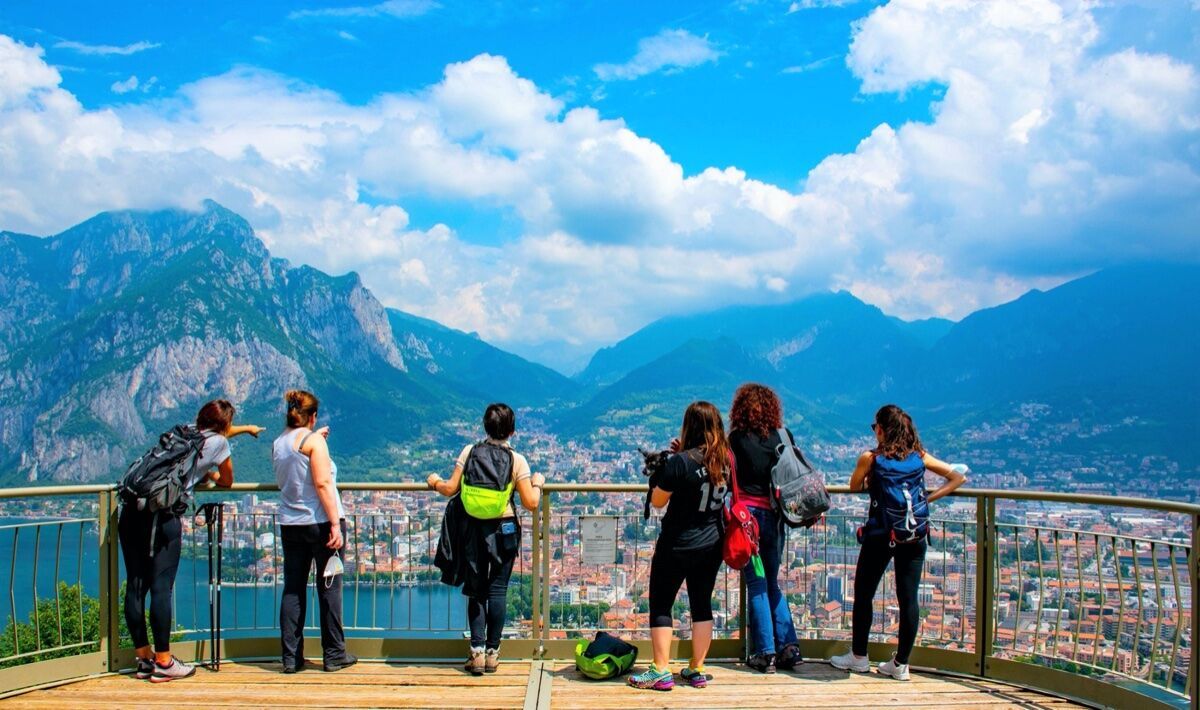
(605, 657)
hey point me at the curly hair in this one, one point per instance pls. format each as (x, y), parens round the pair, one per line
(899, 434)
(755, 408)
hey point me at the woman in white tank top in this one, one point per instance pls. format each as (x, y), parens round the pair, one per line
(312, 527)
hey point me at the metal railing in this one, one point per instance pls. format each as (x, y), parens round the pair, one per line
(1048, 590)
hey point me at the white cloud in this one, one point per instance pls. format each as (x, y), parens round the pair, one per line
(343, 34)
(807, 67)
(125, 86)
(1044, 157)
(800, 5)
(669, 50)
(106, 49)
(401, 9)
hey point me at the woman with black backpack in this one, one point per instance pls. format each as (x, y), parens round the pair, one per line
(481, 534)
(151, 541)
(755, 420)
(692, 487)
(893, 474)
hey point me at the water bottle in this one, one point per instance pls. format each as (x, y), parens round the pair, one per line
(960, 468)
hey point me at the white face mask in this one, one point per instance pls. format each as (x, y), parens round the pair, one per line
(333, 568)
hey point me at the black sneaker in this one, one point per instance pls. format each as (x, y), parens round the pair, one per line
(345, 662)
(789, 658)
(145, 669)
(293, 668)
(762, 662)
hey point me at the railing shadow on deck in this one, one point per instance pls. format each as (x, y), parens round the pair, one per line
(1037, 589)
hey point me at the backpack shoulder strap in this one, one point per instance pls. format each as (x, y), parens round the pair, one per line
(304, 439)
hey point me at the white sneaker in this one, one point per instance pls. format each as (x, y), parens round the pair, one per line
(899, 671)
(850, 662)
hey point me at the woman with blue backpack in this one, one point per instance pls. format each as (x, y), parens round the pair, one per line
(756, 438)
(893, 474)
(481, 533)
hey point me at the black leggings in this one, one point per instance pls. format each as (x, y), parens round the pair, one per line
(144, 573)
(486, 615)
(909, 561)
(669, 570)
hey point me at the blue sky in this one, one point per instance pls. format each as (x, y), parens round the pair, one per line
(479, 162)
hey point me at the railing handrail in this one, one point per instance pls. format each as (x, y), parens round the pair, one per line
(409, 487)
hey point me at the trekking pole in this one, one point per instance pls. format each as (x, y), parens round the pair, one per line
(205, 517)
(220, 559)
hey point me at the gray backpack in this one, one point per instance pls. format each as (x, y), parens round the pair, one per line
(797, 489)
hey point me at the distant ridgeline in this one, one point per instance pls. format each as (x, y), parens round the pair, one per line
(123, 325)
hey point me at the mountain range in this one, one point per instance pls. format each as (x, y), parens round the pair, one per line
(124, 324)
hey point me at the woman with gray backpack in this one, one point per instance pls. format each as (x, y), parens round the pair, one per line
(756, 437)
(154, 492)
(896, 530)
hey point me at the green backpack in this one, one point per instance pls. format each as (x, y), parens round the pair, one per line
(605, 657)
(487, 481)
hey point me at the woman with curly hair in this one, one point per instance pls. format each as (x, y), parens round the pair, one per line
(755, 422)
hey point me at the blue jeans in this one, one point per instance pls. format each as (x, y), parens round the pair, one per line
(770, 621)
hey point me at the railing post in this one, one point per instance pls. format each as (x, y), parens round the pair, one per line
(545, 509)
(1194, 586)
(985, 564)
(110, 580)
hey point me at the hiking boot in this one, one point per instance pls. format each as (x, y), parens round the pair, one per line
(850, 662)
(762, 662)
(653, 679)
(789, 658)
(491, 660)
(175, 670)
(476, 663)
(344, 662)
(695, 677)
(145, 669)
(899, 671)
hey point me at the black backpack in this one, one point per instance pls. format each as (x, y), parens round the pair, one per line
(487, 481)
(797, 488)
(157, 480)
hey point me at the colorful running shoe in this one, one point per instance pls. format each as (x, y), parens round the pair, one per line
(653, 679)
(175, 670)
(695, 677)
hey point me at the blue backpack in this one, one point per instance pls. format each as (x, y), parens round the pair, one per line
(899, 510)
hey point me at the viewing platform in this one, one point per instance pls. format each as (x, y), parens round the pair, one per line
(1028, 599)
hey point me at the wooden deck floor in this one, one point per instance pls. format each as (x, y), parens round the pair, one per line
(522, 684)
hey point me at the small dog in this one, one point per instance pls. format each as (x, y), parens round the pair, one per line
(654, 464)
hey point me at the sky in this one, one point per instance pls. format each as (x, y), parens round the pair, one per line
(555, 175)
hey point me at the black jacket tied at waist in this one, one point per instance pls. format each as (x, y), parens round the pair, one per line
(468, 549)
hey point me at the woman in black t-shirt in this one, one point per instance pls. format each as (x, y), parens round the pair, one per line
(692, 487)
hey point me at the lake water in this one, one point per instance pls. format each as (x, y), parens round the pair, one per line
(70, 553)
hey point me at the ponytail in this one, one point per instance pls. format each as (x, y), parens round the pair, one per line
(899, 436)
(301, 406)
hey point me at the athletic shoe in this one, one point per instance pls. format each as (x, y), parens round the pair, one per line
(899, 671)
(175, 670)
(850, 662)
(762, 662)
(145, 669)
(491, 660)
(476, 663)
(345, 662)
(293, 668)
(653, 679)
(695, 677)
(789, 658)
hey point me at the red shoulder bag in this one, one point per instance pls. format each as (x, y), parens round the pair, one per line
(740, 546)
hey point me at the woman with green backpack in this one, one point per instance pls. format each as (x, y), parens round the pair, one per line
(488, 537)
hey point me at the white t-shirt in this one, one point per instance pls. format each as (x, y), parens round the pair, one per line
(216, 451)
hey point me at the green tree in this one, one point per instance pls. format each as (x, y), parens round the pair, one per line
(80, 616)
